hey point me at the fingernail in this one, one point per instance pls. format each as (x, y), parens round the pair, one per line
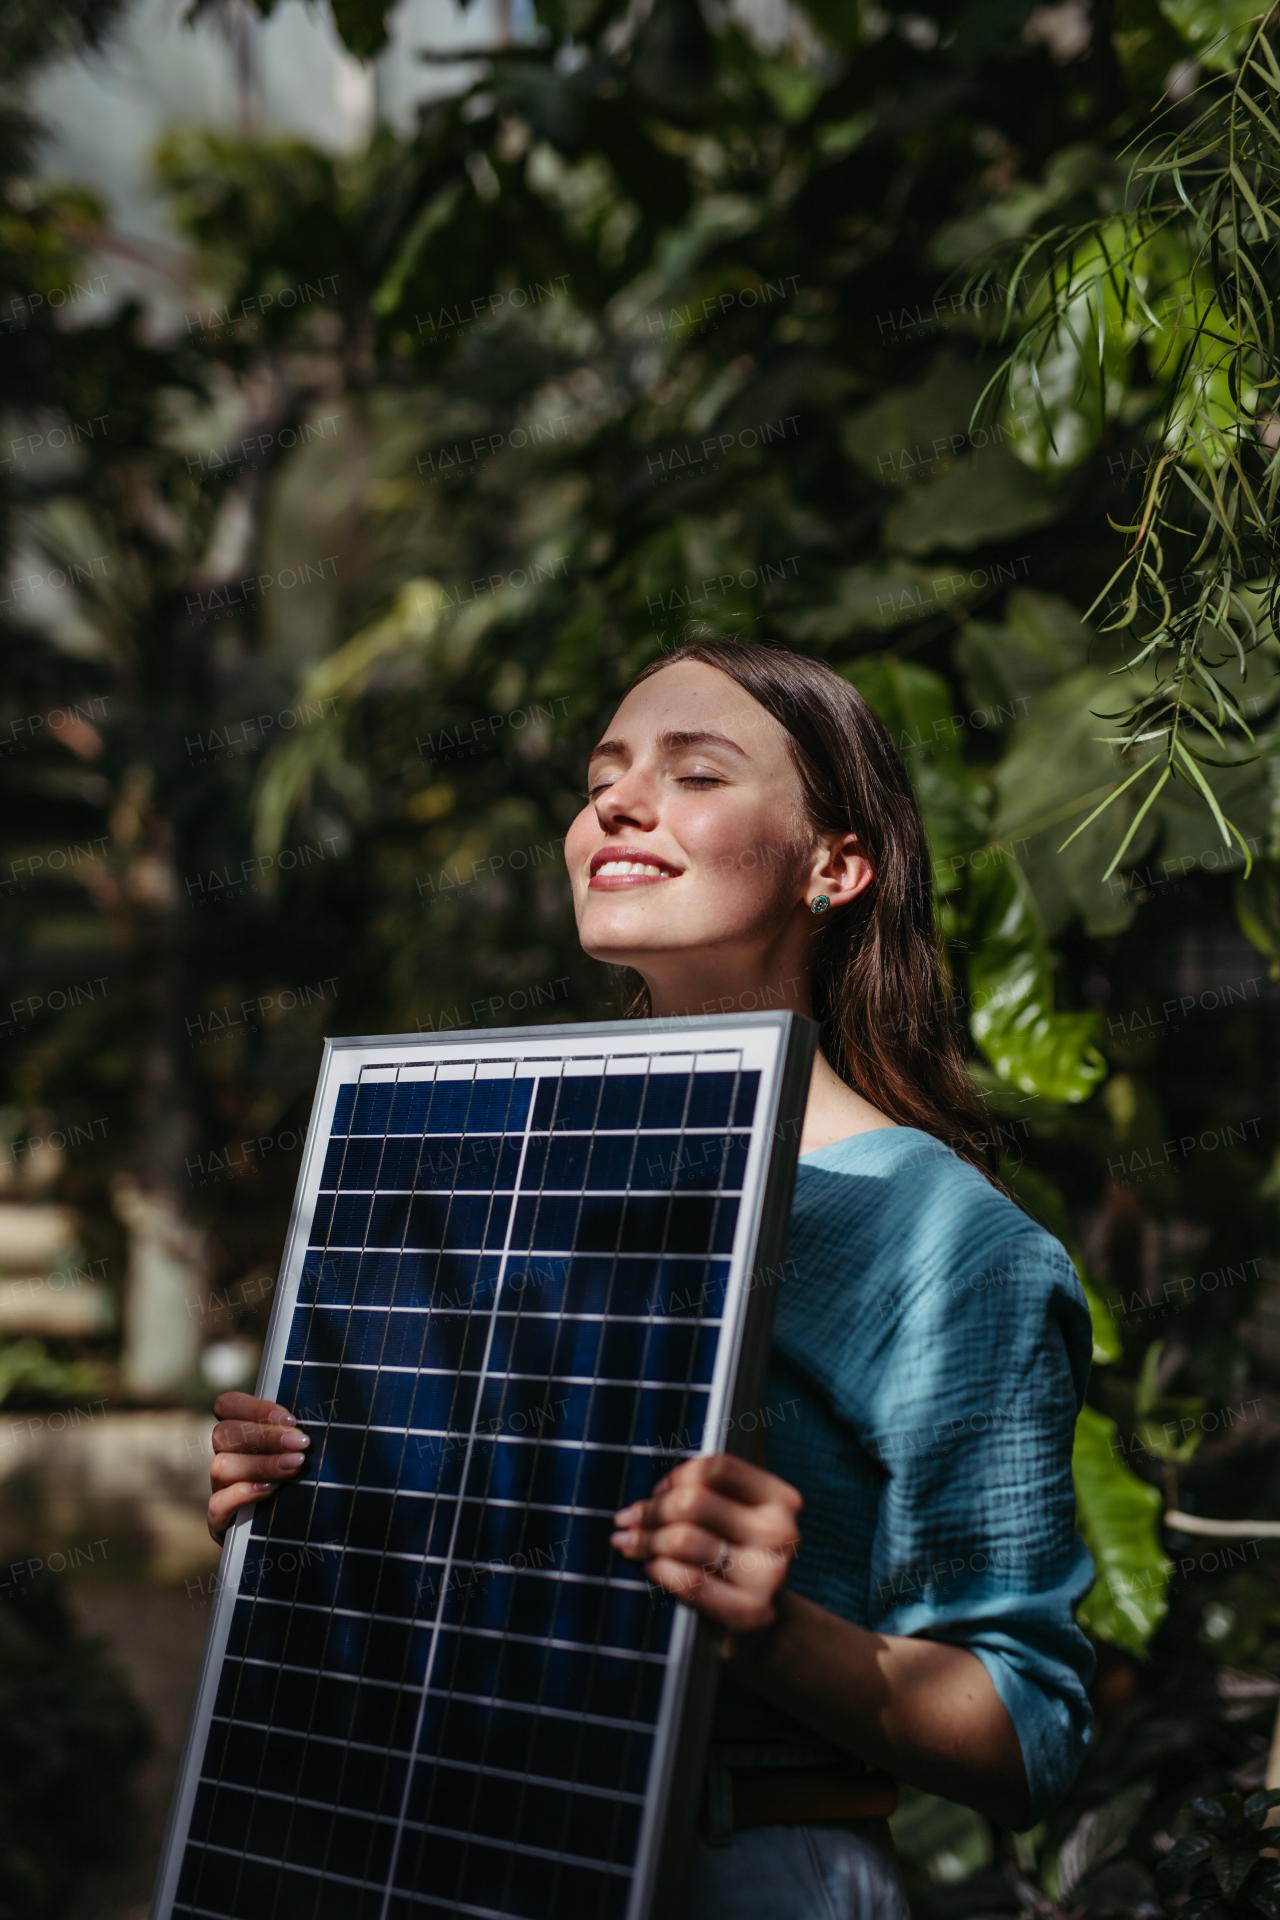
(288, 1461)
(281, 1417)
(663, 1484)
(262, 1486)
(622, 1541)
(625, 1517)
(295, 1441)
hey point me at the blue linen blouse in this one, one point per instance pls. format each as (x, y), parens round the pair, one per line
(930, 1355)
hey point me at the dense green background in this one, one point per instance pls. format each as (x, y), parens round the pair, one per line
(649, 334)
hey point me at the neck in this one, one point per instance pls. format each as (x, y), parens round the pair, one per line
(720, 991)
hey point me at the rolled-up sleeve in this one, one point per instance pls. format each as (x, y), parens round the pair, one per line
(971, 1423)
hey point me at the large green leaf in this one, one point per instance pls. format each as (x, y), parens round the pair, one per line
(990, 496)
(1007, 668)
(1117, 1515)
(919, 710)
(1011, 990)
(918, 432)
(1055, 772)
(876, 599)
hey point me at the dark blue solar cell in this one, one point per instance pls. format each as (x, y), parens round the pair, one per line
(499, 1106)
(289, 1573)
(664, 1101)
(744, 1107)
(545, 1221)
(333, 1705)
(341, 1333)
(342, 1110)
(372, 1583)
(571, 1102)
(586, 1681)
(342, 1221)
(611, 1350)
(387, 1277)
(711, 1099)
(373, 1107)
(471, 1163)
(486, 1874)
(397, 1169)
(556, 1163)
(669, 1418)
(691, 1161)
(620, 1101)
(441, 1402)
(354, 1845)
(388, 1219)
(456, 1222)
(213, 1881)
(449, 1106)
(488, 1535)
(329, 1279)
(624, 1284)
(611, 1163)
(558, 1749)
(534, 1813)
(321, 1220)
(600, 1227)
(463, 1281)
(410, 1105)
(351, 1454)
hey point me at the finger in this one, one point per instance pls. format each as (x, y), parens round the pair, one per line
(738, 1608)
(227, 1502)
(243, 1436)
(228, 1468)
(246, 1406)
(693, 1546)
(700, 1506)
(736, 1478)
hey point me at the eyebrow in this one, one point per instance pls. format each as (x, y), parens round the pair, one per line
(672, 742)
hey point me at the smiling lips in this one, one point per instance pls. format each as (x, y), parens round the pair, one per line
(615, 868)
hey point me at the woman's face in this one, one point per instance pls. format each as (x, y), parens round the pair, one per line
(693, 860)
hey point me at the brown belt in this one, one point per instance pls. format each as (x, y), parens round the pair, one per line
(792, 1796)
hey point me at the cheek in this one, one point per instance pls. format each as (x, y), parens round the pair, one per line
(751, 852)
(578, 839)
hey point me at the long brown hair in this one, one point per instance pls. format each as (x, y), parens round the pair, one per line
(878, 990)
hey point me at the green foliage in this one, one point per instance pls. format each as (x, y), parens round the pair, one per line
(1182, 282)
(1118, 1517)
(1220, 1866)
(29, 1372)
(1010, 971)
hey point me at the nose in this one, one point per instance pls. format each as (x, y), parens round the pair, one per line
(628, 801)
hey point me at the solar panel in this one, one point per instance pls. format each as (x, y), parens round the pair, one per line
(525, 1275)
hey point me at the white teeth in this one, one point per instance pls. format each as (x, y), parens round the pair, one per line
(617, 868)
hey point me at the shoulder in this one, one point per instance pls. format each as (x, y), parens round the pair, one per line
(895, 1239)
(896, 1192)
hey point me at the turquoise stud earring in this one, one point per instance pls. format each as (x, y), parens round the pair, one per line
(819, 903)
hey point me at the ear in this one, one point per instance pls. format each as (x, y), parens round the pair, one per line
(840, 869)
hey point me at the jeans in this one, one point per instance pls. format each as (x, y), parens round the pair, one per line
(832, 1872)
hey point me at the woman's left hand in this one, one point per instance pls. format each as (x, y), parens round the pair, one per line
(720, 1535)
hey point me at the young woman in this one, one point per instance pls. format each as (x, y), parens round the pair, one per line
(897, 1581)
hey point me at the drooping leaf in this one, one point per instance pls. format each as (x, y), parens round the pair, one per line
(919, 711)
(986, 498)
(1030, 1045)
(1117, 1515)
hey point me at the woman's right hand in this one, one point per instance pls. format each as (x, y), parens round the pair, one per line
(256, 1445)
